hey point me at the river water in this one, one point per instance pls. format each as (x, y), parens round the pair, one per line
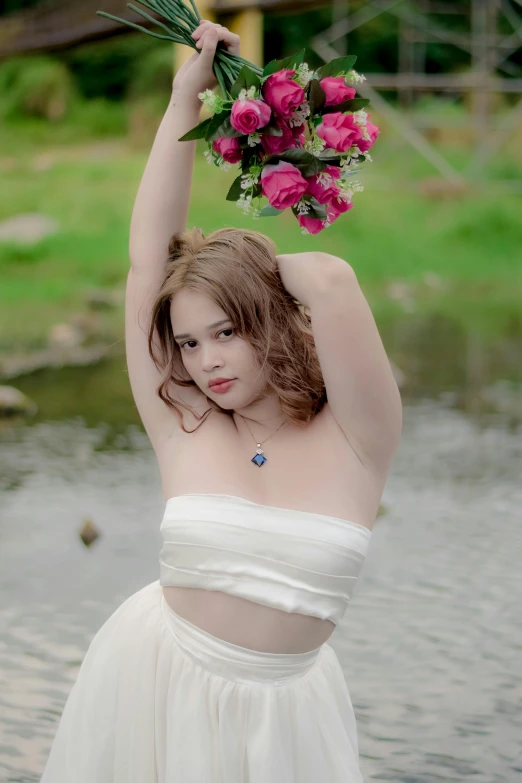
(431, 645)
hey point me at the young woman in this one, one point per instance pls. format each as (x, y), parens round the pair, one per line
(274, 415)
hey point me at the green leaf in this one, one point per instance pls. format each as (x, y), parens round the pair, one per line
(316, 97)
(235, 190)
(291, 62)
(330, 160)
(249, 153)
(337, 67)
(307, 163)
(198, 132)
(352, 105)
(269, 210)
(317, 210)
(272, 130)
(245, 80)
(220, 126)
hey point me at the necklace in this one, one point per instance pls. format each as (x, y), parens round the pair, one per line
(258, 459)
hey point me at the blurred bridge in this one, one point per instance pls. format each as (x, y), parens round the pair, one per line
(62, 24)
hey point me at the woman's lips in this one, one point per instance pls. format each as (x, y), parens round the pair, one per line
(221, 388)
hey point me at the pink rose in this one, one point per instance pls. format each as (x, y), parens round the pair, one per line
(273, 144)
(336, 90)
(340, 131)
(322, 193)
(336, 207)
(282, 184)
(282, 93)
(249, 115)
(229, 149)
(373, 131)
(313, 225)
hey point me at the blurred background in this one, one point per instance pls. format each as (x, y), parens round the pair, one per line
(431, 646)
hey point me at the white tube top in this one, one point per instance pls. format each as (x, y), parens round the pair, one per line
(296, 561)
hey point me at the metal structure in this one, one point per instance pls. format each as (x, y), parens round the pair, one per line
(59, 24)
(489, 53)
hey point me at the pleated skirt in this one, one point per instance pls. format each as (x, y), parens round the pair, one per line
(158, 700)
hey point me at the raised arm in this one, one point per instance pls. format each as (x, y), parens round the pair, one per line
(362, 393)
(160, 210)
(162, 202)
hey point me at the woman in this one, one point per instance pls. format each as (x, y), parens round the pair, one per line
(220, 670)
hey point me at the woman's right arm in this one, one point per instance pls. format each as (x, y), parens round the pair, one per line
(160, 210)
(162, 203)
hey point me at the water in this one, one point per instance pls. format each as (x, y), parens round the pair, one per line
(430, 646)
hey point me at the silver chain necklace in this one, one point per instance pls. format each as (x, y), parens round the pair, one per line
(258, 459)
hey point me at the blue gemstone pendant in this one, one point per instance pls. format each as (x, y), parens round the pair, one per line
(259, 460)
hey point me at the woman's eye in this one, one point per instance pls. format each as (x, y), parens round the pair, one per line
(193, 341)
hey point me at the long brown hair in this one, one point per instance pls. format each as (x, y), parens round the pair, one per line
(237, 269)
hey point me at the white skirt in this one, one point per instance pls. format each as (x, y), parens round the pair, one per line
(158, 700)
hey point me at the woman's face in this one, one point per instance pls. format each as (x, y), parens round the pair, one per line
(210, 348)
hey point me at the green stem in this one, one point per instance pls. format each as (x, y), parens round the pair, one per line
(162, 8)
(242, 60)
(227, 70)
(154, 21)
(219, 77)
(182, 10)
(198, 17)
(171, 38)
(171, 13)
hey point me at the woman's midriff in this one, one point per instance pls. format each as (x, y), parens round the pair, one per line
(248, 624)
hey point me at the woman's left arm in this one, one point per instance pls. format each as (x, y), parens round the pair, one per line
(362, 393)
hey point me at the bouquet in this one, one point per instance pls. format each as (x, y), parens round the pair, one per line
(298, 136)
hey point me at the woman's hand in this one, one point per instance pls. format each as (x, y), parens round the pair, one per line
(196, 74)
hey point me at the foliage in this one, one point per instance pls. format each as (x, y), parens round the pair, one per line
(37, 86)
(153, 73)
(106, 69)
(471, 242)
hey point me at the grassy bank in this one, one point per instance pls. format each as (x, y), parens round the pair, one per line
(459, 256)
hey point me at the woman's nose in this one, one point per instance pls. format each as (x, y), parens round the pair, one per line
(211, 358)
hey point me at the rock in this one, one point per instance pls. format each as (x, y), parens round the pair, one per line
(434, 281)
(86, 323)
(399, 289)
(43, 162)
(504, 397)
(65, 336)
(102, 299)
(14, 403)
(28, 229)
(89, 532)
(23, 364)
(403, 293)
(437, 188)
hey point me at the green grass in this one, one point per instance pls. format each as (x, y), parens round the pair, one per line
(394, 233)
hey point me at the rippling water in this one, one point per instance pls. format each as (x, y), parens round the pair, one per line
(431, 645)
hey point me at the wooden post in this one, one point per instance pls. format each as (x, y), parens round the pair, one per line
(341, 10)
(484, 31)
(406, 61)
(248, 24)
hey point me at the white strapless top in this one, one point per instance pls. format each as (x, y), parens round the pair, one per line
(296, 561)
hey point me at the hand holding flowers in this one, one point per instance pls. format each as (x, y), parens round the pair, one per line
(298, 135)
